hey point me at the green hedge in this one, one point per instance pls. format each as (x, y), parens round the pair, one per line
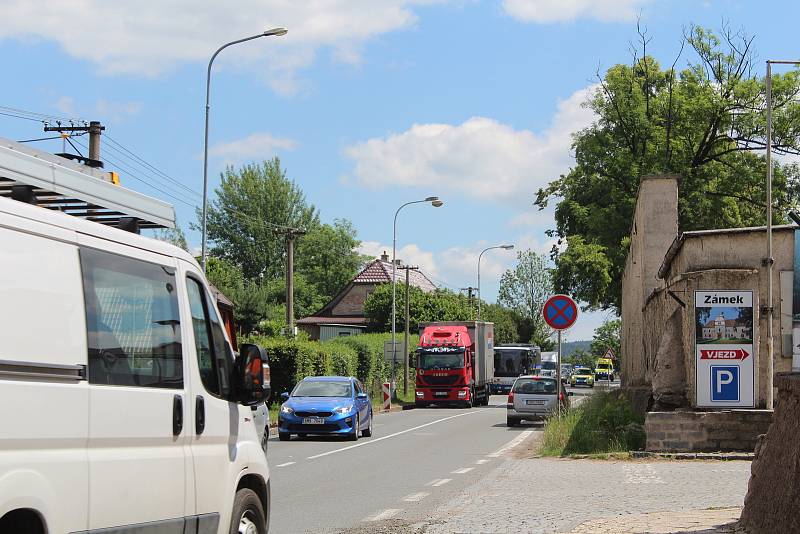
(291, 360)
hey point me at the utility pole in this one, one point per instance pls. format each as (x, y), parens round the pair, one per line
(94, 128)
(470, 291)
(408, 268)
(291, 234)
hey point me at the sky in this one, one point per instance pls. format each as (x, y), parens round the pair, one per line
(368, 103)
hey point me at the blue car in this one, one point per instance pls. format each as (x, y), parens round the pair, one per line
(330, 405)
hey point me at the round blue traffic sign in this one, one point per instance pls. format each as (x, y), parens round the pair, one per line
(560, 312)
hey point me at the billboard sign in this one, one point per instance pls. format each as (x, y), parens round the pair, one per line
(724, 349)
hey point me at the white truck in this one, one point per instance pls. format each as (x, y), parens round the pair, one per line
(125, 408)
(512, 361)
(549, 363)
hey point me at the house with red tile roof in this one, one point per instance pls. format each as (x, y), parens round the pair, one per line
(344, 314)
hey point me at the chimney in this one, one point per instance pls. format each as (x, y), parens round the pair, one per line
(384, 256)
(398, 262)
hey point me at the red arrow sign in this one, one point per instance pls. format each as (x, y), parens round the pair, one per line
(728, 354)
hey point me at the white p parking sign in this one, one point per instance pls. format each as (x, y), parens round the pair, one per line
(724, 346)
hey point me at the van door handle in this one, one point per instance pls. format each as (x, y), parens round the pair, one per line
(199, 414)
(177, 415)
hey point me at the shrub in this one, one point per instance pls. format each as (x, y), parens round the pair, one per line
(603, 423)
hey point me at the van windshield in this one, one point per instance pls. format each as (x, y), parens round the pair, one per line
(550, 366)
(546, 386)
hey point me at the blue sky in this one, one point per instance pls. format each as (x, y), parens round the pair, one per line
(369, 103)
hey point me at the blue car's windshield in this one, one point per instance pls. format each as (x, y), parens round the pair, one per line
(319, 388)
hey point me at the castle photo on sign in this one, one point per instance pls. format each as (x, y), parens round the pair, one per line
(726, 325)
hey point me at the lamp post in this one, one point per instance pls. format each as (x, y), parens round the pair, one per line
(436, 203)
(769, 259)
(276, 32)
(504, 247)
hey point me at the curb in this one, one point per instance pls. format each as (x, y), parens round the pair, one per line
(724, 456)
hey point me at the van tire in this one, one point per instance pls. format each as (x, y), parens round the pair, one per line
(284, 436)
(247, 507)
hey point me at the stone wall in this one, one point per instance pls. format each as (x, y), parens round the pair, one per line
(728, 430)
(772, 503)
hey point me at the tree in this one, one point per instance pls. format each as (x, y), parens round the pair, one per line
(438, 305)
(525, 289)
(505, 322)
(250, 205)
(606, 336)
(705, 123)
(174, 236)
(328, 258)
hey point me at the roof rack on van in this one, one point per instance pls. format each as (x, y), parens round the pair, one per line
(56, 183)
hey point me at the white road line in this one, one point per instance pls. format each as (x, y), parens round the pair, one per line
(442, 482)
(434, 481)
(286, 464)
(376, 440)
(462, 471)
(510, 445)
(386, 514)
(482, 461)
(416, 497)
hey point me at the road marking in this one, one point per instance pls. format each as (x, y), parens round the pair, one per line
(416, 497)
(386, 514)
(510, 445)
(641, 474)
(434, 481)
(406, 431)
(441, 482)
(482, 461)
(462, 471)
(286, 464)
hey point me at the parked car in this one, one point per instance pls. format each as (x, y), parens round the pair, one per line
(534, 398)
(582, 376)
(126, 409)
(333, 405)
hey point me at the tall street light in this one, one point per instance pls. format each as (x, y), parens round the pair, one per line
(436, 203)
(504, 247)
(276, 32)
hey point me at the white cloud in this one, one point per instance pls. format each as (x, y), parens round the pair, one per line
(481, 158)
(257, 145)
(409, 254)
(547, 11)
(103, 109)
(149, 38)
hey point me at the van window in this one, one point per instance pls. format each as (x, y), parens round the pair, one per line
(209, 340)
(132, 322)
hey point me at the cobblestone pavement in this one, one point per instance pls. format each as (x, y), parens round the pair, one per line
(588, 496)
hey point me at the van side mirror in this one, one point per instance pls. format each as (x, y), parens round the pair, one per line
(248, 371)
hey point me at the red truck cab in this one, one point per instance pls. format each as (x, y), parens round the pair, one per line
(451, 366)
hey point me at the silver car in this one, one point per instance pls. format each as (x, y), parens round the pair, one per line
(533, 398)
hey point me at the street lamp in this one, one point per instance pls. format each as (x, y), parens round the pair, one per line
(504, 247)
(436, 203)
(276, 32)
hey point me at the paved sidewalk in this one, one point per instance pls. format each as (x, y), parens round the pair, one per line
(713, 521)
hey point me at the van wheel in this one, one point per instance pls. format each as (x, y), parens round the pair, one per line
(284, 436)
(248, 514)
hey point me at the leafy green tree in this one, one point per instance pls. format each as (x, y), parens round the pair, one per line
(581, 357)
(328, 257)
(525, 289)
(505, 322)
(607, 336)
(438, 305)
(175, 236)
(705, 123)
(251, 204)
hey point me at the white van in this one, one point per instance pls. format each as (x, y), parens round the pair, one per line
(122, 407)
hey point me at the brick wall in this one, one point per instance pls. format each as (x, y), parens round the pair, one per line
(727, 430)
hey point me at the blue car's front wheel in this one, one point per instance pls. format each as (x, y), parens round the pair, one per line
(354, 435)
(367, 432)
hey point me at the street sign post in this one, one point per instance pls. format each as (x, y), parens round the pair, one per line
(560, 312)
(724, 349)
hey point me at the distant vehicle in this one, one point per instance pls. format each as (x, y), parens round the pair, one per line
(455, 363)
(549, 362)
(566, 371)
(334, 405)
(604, 369)
(534, 398)
(582, 376)
(510, 362)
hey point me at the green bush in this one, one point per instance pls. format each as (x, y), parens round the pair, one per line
(603, 423)
(369, 349)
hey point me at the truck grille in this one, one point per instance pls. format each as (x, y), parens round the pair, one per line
(440, 380)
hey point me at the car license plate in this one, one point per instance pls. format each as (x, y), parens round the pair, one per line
(534, 402)
(440, 393)
(313, 420)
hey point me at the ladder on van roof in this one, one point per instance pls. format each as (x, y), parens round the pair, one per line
(58, 184)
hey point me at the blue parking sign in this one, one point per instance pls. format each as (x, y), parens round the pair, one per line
(725, 383)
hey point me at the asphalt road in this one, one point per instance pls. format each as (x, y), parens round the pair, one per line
(416, 459)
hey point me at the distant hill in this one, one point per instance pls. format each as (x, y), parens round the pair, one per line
(568, 347)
